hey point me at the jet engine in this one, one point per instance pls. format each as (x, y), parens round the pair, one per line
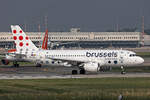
(66, 64)
(92, 67)
(5, 61)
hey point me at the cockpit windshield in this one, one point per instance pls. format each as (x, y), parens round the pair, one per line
(132, 55)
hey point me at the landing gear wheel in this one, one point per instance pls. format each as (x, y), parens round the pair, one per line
(74, 72)
(82, 71)
(15, 64)
(123, 70)
(38, 65)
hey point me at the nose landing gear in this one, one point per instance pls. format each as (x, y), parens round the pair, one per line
(123, 70)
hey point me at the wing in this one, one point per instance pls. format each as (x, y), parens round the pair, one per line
(69, 61)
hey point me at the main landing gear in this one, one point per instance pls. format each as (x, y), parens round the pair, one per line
(82, 71)
(123, 70)
(38, 65)
(15, 64)
(75, 72)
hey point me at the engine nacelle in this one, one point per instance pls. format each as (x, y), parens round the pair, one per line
(5, 61)
(66, 64)
(92, 67)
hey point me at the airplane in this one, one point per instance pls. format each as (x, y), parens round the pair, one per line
(14, 58)
(84, 60)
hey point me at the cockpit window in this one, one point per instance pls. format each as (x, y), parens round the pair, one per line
(132, 55)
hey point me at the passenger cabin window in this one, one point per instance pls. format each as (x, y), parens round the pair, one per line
(122, 52)
(109, 62)
(115, 62)
(47, 62)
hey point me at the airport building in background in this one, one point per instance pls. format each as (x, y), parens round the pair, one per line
(75, 39)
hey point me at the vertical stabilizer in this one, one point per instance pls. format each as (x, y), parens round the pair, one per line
(22, 41)
(45, 41)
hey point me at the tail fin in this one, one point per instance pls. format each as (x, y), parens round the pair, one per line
(22, 41)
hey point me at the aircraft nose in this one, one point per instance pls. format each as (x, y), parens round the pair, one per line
(141, 60)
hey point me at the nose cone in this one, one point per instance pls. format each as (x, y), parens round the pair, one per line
(140, 60)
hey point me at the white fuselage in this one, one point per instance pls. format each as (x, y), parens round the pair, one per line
(103, 57)
(85, 60)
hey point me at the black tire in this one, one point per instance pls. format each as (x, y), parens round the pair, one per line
(82, 71)
(14, 65)
(17, 65)
(74, 72)
(123, 72)
(38, 65)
